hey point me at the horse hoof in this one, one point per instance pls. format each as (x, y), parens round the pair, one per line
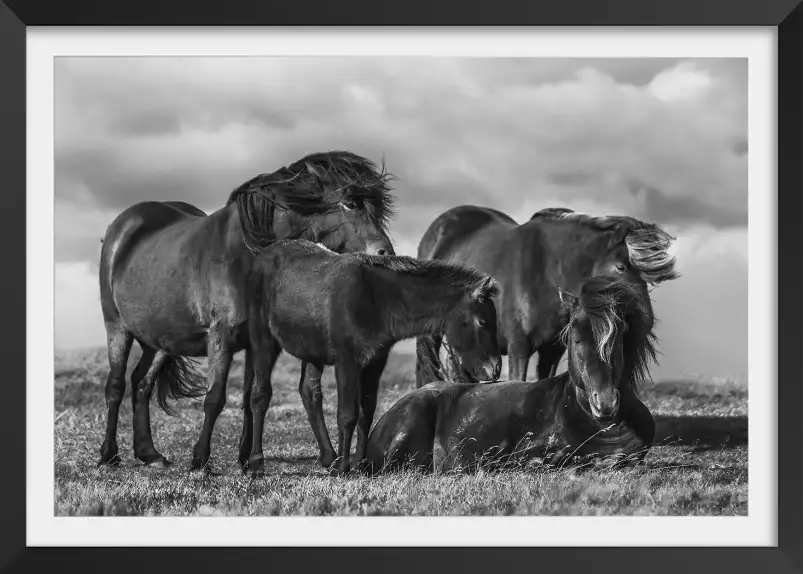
(112, 462)
(257, 473)
(160, 462)
(326, 459)
(339, 472)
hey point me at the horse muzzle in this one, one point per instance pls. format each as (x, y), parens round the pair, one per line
(605, 405)
(492, 369)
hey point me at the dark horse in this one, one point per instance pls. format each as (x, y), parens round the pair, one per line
(331, 309)
(593, 409)
(173, 279)
(556, 249)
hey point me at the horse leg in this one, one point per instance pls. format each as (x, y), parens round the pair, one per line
(369, 384)
(518, 358)
(220, 357)
(548, 359)
(640, 419)
(118, 342)
(348, 407)
(265, 354)
(427, 360)
(309, 387)
(246, 438)
(142, 382)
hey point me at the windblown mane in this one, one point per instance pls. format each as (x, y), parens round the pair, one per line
(647, 244)
(298, 188)
(616, 307)
(452, 273)
(456, 275)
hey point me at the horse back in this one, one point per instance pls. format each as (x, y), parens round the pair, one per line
(466, 224)
(128, 229)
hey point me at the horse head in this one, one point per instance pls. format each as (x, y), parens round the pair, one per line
(615, 246)
(609, 340)
(471, 331)
(338, 199)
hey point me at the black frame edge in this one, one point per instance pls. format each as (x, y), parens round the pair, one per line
(412, 12)
(12, 292)
(787, 558)
(790, 285)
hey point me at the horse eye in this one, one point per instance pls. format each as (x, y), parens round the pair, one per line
(620, 268)
(481, 322)
(480, 299)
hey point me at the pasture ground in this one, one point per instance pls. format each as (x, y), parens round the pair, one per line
(698, 468)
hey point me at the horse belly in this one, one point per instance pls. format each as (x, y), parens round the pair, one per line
(161, 326)
(301, 332)
(153, 297)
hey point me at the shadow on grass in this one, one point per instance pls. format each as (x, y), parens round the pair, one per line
(701, 432)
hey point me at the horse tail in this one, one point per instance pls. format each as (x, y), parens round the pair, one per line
(178, 379)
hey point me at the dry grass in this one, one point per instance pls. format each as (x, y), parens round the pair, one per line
(699, 467)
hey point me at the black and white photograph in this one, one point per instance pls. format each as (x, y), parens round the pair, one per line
(400, 286)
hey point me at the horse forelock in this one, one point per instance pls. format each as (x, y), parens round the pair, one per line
(648, 248)
(617, 308)
(314, 185)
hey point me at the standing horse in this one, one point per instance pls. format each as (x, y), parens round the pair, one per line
(173, 279)
(556, 249)
(330, 309)
(592, 409)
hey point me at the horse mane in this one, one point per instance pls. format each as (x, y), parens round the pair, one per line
(647, 244)
(451, 273)
(300, 188)
(617, 307)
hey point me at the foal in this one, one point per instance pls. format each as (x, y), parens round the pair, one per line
(592, 409)
(331, 309)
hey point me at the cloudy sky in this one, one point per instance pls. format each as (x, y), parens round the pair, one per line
(659, 139)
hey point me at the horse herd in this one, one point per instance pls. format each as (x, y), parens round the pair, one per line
(300, 260)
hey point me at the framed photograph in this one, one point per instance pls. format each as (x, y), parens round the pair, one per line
(320, 289)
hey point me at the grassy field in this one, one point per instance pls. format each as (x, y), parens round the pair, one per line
(698, 468)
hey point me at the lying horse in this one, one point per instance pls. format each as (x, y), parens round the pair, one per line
(173, 279)
(592, 409)
(330, 309)
(556, 249)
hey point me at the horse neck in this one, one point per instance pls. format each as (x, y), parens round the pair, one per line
(222, 229)
(567, 249)
(416, 305)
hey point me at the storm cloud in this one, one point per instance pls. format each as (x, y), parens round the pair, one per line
(664, 140)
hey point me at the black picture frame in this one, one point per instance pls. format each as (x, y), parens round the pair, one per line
(787, 15)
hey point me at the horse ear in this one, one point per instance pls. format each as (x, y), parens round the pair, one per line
(568, 300)
(314, 170)
(618, 234)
